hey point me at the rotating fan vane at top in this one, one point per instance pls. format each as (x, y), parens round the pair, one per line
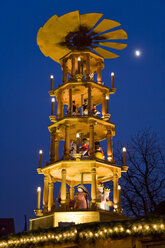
(74, 32)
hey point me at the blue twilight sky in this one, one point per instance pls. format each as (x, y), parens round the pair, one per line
(24, 85)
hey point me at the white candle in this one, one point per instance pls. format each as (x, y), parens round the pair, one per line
(51, 82)
(38, 197)
(106, 103)
(40, 158)
(119, 194)
(124, 156)
(53, 105)
(112, 80)
(79, 64)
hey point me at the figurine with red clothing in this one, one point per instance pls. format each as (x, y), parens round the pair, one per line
(84, 148)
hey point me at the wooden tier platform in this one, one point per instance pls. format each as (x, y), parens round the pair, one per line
(64, 218)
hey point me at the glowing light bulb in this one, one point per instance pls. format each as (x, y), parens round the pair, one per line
(107, 97)
(79, 59)
(77, 135)
(147, 227)
(51, 76)
(112, 74)
(40, 151)
(52, 99)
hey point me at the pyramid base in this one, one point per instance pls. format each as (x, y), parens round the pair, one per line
(66, 218)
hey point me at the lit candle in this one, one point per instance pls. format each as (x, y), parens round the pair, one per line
(107, 101)
(51, 82)
(79, 64)
(119, 194)
(40, 158)
(112, 80)
(77, 136)
(124, 156)
(38, 197)
(53, 105)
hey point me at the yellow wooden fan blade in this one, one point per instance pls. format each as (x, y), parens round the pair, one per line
(71, 21)
(50, 48)
(52, 41)
(56, 28)
(54, 32)
(104, 53)
(90, 19)
(114, 35)
(114, 45)
(56, 52)
(49, 24)
(105, 25)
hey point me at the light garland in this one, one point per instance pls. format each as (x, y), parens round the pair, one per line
(103, 232)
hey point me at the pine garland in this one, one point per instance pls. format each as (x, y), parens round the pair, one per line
(152, 227)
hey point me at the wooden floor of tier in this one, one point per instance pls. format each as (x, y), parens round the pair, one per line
(74, 217)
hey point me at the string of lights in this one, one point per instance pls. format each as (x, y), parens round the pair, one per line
(88, 233)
